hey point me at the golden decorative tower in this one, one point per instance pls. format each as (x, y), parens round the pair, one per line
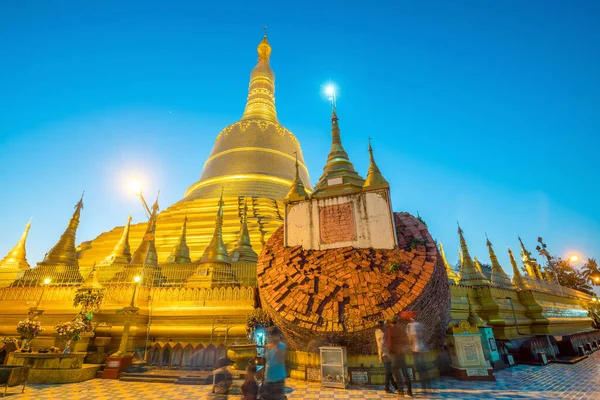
(243, 251)
(470, 275)
(64, 252)
(16, 259)
(452, 276)
(499, 277)
(339, 176)
(530, 263)
(254, 155)
(121, 254)
(297, 191)
(375, 179)
(91, 282)
(517, 279)
(146, 252)
(181, 251)
(252, 158)
(215, 266)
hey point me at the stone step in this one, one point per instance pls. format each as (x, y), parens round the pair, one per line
(149, 379)
(148, 375)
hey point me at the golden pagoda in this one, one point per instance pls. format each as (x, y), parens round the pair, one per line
(499, 277)
(252, 159)
(339, 176)
(15, 263)
(470, 274)
(517, 279)
(452, 276)
(375, 179)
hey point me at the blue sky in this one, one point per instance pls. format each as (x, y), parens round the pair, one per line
(483, 112)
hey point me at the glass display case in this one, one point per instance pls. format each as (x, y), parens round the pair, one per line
(334, 367)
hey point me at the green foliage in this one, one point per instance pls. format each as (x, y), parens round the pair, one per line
(422, 220)
(564, 272)
(394, 267)
(258, 318)
(590, 271)
(414, 242)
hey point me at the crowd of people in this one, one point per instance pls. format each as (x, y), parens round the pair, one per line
(397, 339)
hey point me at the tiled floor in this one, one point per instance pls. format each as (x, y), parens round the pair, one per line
(555, 381)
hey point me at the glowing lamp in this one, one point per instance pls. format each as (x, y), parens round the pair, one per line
(330, 90)
(136, 279)
(574, 258)
(135, 187)
(47, 281)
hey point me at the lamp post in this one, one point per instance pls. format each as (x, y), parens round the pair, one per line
(121, 359)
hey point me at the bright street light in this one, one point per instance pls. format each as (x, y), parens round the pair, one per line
(574, 258)
(47, 281)
(136, 279)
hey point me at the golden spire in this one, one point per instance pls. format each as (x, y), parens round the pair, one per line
(469, 273)
(146, 251)
(297, 191)
(243, 251)
(216, 252)
(499, 277)
(64, 251)
(91, 282)
(121, 253)
(529, 262)
(339, 176)
(181, 252)
(375, 179)
(17, 257)
(474, 318)
(517, 279)
(452, 276)
(261, 92)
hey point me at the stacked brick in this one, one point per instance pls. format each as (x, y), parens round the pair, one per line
(337, 296)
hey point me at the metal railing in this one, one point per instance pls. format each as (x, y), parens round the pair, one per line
(163, 275)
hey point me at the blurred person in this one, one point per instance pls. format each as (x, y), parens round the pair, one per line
(273, 387)
(382, 339)
(415, 331)
(250, 387)
(399, 347)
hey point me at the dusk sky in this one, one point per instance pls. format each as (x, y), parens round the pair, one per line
(483, 112)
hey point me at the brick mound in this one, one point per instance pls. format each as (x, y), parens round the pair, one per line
(337, 296)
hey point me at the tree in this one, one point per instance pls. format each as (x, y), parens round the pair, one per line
(590, 271)
(564, 272)
(570, 277)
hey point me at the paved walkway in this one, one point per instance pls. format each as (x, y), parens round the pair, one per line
(555, 381)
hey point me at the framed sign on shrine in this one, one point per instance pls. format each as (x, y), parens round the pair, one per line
(359, 376)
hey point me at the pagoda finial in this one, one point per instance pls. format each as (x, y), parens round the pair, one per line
(146, 252)
(121, 253)
(470, 274)
(64, 251)
(216, 252)
(499, 277)
(375, 179)
(261, 92)
(452, 276)
(339, 176)
(518, 279)
(530, 263)
(297, 191)
(243, 251)
(181, 252)
(16, 259)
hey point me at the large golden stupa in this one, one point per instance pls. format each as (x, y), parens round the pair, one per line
(252, 161)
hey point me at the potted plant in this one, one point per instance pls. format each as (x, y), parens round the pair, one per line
(28, 329)
(69, 331)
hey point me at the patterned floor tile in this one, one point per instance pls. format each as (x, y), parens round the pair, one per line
(554, 382)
